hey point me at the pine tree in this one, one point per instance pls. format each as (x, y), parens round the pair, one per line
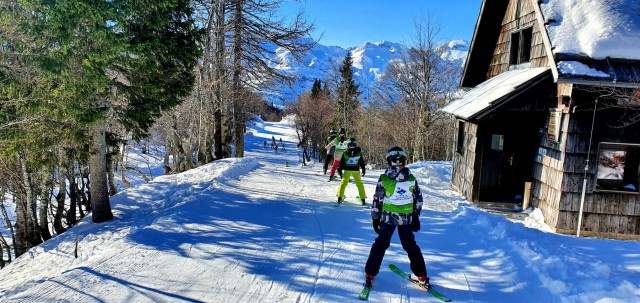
(348, 93)
(316, 89)
(96, 63)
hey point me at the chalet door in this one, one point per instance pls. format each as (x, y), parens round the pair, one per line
(506, 164)
(497, 169)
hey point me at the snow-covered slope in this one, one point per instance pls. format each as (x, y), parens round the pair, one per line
(259, 230)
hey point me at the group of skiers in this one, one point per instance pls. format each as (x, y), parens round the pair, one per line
(274, 145)
(347, 160)
(397, 201)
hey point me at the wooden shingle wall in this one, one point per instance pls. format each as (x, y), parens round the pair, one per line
(463, 166)
(606, 214)
(559, 172)
(548, 174)
(515, 20)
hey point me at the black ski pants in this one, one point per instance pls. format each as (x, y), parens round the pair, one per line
(328, 159)
(382, 242)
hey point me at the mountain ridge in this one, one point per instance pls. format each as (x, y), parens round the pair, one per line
(370, 61)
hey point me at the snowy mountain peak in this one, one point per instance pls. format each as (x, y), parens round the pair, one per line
(380, 44)
(462, 45)
(370, 61)
(455, 50)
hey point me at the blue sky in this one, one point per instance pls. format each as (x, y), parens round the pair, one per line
(349, 23)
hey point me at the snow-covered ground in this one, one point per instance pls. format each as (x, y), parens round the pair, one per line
(257, 230)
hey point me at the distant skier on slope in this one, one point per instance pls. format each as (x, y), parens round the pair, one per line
(329, 158)
(352, 162)
(340, 145)
(397, 202)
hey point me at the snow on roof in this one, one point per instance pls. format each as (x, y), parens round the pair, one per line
(580, 69)
(482, 96)
(596, 28)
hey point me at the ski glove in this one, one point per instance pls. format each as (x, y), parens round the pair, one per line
(416, 223)
(362, 173)
(376, 225)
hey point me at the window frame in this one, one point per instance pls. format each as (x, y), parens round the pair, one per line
(460, 138)
(630, 168)
(497, 142)
(520, 46)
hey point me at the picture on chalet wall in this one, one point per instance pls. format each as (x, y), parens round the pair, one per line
(611, 164)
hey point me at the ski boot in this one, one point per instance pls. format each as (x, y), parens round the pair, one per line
(368, 282)
(423, 280)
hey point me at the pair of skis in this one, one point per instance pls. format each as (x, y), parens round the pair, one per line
(364, 294)
(344, 200)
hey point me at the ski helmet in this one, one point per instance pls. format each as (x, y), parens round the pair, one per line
(343, 131)
(352, 143)
(396, 156)
(333, 131)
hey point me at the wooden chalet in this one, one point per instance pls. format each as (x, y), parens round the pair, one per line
(531, 129)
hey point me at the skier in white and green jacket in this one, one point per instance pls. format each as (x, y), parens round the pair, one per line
(329, 157)
(340, 145)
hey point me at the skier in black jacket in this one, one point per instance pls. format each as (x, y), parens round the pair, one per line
(352, 162)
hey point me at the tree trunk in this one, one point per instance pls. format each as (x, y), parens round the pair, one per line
(83, 193)
(167, 149)
(188, 150)
(12, 233)
(219, 77)
(123, 166)
(3, 245)
(21, 241)
(100, 204)
(73, 197)
(111, 181)
(58, 227)
(238, 123)
(204, 114)
(30, 200)
(43, 224)
(177, 150)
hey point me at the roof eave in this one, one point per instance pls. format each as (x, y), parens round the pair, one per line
(473, 41)
(545, 39)
(602, 83)
(505, 99)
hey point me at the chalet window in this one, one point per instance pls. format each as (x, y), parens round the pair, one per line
(520, 51)
(617, 168)
(460, 143)
(497, 142)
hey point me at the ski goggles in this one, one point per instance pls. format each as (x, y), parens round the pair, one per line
(396, 153)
